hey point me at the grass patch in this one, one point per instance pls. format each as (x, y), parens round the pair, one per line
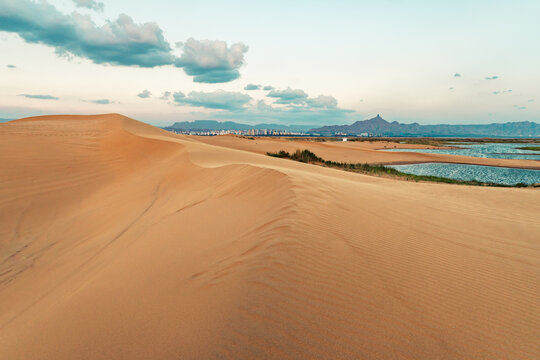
(532, 148)
(309, 157)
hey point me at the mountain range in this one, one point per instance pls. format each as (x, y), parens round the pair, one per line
(205, 125)
(379, 126)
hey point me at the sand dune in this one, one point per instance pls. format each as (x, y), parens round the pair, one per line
(122, 241)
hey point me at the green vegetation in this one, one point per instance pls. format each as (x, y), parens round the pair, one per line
(307, 156)
(532, 148)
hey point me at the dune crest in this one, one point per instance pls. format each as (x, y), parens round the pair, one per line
(119, 240)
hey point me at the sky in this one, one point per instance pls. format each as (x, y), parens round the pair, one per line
(288, 62)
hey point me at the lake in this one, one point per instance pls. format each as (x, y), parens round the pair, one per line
(498, 175)
(489, 150)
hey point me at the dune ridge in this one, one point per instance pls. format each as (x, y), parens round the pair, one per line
(120, 240)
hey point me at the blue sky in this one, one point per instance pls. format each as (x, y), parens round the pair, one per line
(328, 62)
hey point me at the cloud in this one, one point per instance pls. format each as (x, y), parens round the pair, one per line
(145, 94)
(300, 98)
(450, 88)
(102, 101)
(219, 99)
(120, 42)
(11, 66)
(290, 106)
(457, 75)
(520, 107)
(41, 97)
(267, 113)
(530, 100)
(289, 96)
(166, 95)
(491, 77)
(268, 88)
(322, 102)
(252, 87)
(502, 92)
(89, 4)
(211, 61)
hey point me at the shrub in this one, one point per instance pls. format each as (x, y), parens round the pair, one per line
(307, 156)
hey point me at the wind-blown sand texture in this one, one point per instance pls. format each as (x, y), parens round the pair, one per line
(119, 240)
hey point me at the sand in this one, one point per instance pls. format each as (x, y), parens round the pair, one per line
(122, 241)
(361, 151)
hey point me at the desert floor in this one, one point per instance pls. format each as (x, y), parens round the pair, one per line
(119, 240)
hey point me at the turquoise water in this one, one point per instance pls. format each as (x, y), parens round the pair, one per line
(496, 151)
(498, 175)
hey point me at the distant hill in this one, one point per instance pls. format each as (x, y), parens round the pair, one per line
(379, 126)
(231, 125)
(4, 120)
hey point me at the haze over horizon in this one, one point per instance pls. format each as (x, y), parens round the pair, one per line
(288, 63)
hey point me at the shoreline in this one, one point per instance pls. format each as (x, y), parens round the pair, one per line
(459, 163)
(306, 156)
(363, 152)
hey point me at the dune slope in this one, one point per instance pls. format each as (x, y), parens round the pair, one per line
(122, 241)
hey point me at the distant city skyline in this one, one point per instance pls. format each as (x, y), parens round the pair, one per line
(294, 62)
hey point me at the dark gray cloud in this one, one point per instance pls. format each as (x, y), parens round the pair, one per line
(288, 96)
(322, 101)
(492, 77)
(267, 113)
(211, 61)
(291, 106)
(268, 88)
(40, 97)
(450, 88)
(252, 87)
(166, 95)
(118, 42)
(89, 4)
(219, 99)
(102, 101)
(457, 75)
(502, 92)
(299, 97)
(520, 107)
(144, 94)
(11, 66)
